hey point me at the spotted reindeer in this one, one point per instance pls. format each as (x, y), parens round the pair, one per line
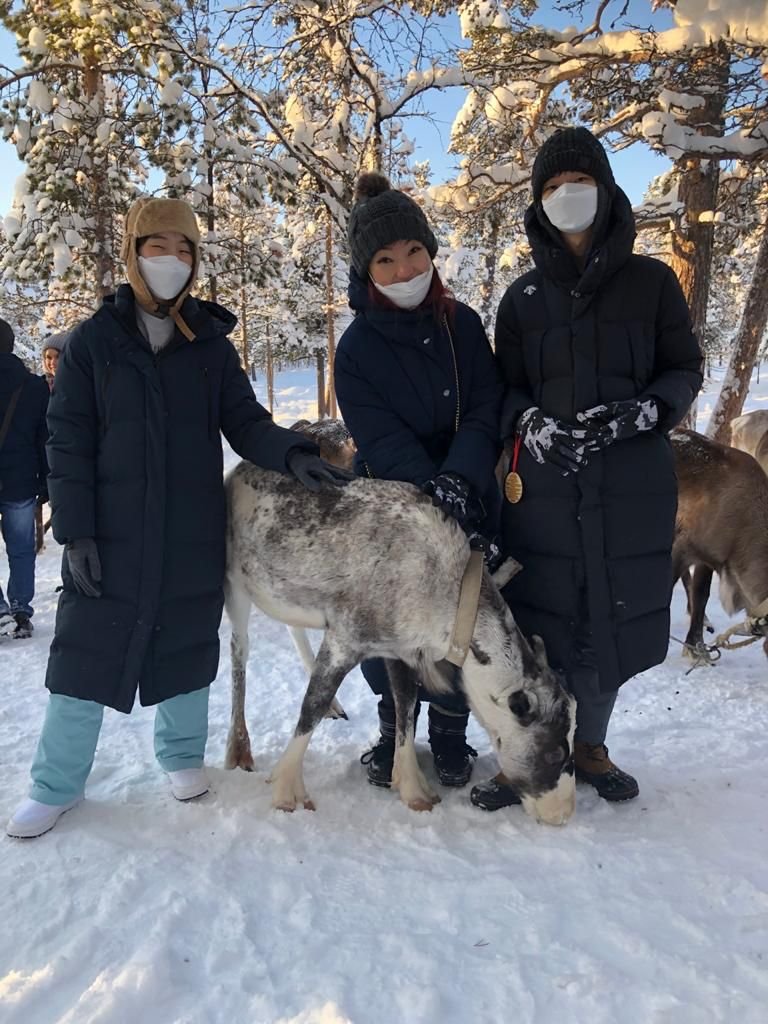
(383, 573)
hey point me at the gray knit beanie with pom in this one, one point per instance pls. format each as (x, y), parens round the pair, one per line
(382, 215)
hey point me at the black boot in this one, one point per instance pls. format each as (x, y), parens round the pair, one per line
(493, 794)
(380, 759)
(448, 739)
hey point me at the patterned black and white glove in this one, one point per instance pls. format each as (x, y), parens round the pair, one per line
(618, 421)
(490, 548)
(311, 471)
(550, 440)
(85, 566)
(452, 494)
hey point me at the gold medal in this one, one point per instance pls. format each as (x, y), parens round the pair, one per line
(513, 487)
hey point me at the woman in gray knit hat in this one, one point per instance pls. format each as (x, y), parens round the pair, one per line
(419, 390)
(600, 363)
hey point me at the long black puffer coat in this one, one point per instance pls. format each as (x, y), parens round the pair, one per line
(136, 462)
(595, 546)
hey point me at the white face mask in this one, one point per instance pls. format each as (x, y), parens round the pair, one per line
(408, 294)
(165, 275)
(572, 207)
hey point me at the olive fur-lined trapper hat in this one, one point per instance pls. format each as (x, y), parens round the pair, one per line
(382, 215)
(150, 216)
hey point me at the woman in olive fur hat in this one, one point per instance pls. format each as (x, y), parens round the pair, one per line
(143, 392)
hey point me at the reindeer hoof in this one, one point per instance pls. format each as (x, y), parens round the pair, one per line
(284, 805)
(423, 803)
(237, 757)
(336, 711)
(309, 805)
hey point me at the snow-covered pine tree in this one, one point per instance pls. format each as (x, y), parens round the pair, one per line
(72, 109)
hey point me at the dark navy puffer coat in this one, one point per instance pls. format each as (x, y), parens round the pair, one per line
(396, 387)
(595, 546)
(136, 462)
(23, 467)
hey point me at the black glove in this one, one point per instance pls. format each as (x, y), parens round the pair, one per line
(550, 440)
(489, 546)
(311, 471)
(618, 421)
(451, 493)
(84, 564)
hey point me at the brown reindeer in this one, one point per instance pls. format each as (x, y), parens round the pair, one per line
(722, 527)
(749, 433)
(335, 441)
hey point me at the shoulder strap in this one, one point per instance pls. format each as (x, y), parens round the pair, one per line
(9, 414)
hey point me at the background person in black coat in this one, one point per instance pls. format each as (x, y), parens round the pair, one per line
(23, 487)
(419, 390)
(600, 362)
(143, 391)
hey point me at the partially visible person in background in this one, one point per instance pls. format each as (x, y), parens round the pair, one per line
(52, 347)
(23, 476)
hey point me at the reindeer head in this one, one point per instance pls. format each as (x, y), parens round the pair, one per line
(526, 712)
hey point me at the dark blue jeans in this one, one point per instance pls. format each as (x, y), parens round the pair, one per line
(17, 519)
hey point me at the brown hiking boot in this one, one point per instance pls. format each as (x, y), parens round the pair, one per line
(595, 767)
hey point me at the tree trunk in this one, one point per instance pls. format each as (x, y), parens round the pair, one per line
(213, 283)
(270, 374)
(745, 349)
(322, 410)
(244, 330)
(692, 242)
(490, 261)
(104, 266)
(330, 409)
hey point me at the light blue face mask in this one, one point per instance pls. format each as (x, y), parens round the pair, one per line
(408, 294)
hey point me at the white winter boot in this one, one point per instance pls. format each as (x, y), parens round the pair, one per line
(32, 819)
(187, 783)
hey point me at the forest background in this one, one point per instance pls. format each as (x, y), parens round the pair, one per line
(262, 114)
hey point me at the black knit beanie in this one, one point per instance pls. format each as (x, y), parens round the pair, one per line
(382, 215)
(571, 149)
(7, 337)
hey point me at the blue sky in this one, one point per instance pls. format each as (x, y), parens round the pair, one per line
(633, 168)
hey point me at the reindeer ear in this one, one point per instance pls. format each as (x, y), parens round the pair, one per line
(508, 568)
(539, 652)
(520, 706)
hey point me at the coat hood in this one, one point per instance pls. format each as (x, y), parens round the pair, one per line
(612, 242)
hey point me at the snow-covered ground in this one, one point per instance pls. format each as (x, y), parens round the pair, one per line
(139, 910)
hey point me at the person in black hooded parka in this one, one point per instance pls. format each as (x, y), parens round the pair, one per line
(419, 391)
(600, 362)
(143, 390)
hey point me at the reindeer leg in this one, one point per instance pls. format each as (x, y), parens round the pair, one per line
(238, 603)
(302, 645)
(698, 591)
(332, 662)
(407, 776)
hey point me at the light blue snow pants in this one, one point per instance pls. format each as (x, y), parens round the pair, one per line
(70, 733)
